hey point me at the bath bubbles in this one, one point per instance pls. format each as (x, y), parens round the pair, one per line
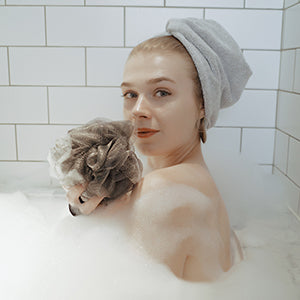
(48, 254)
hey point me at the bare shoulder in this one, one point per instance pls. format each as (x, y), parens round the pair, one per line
(189, 175)
(176, 192)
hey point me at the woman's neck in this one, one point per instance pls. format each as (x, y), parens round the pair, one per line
(187, 154)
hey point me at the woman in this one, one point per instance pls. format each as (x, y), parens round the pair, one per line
(173, 87)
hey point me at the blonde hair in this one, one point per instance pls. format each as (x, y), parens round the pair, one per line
(171, 44)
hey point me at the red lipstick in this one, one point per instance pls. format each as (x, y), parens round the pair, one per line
(145, 132)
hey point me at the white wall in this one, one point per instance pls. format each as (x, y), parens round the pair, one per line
(287, 145)
(61, 65)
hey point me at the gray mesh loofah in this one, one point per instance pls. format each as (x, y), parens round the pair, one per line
(98, 153)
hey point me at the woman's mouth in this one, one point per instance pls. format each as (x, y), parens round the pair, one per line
(145, 132)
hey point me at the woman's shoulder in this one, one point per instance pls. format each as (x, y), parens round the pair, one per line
(173, 188)
(186, 176)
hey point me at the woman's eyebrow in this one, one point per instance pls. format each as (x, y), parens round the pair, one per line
(150, 81)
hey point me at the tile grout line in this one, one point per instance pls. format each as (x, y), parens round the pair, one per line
(8, 67)
(287, 177)
(294, 213)
(158, 6)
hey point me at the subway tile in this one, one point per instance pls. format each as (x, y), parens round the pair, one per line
(223, 139)
(266, 168)
(254, 109)
(45, 2)
(22, 26)
(144, 23)
(126, 2)
(294, 161)
(258, 144)
(250, 27)
(281, 151)
(34, 141)
(291, 27)
(3, 66)
(8, 145)
(288, 3)
(288, 112)
(287, 68)
(85, 26)
(47, 66)
(105, 66)
(80, 105)
(297, 72)
(264, 4)
(265, 67)
(23, 105)
(206, 3)
(17, 175)
(292, 192)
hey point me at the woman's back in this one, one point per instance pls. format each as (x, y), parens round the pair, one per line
(180, 219)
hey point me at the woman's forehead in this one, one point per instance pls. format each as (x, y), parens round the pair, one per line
(155, 66)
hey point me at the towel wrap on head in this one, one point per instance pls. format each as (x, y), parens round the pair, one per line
(222, 68)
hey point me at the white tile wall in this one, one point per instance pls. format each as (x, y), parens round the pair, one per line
(255, 108)
(45, 2)
(258, 144)
(250, 27)
(80, 105)
(291, 27)
(3, 66)
(126, 2)
(14, 174)
(288, 3)
(266, 168)
(265, 66)
(293, 161)
(8, 144)
(293, 192)
(34, 141)
(223, 139)
(105, 66)
(22, 26)
(143, 23)
(287, 69)
(17, 103)
(47, 66)
(264, 3)
(85, 26)
(206, 3)
(1, 2)
(288, 113)
(296, 87)
(281, 151)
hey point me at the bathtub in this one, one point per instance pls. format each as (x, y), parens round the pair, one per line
(48, 254)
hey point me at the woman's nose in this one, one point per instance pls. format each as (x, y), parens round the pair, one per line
(141, 108)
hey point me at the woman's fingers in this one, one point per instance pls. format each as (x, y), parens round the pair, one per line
(76, 205)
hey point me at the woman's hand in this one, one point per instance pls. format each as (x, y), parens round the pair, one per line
(76, 205)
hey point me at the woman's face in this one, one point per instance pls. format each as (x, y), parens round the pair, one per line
(159, 98)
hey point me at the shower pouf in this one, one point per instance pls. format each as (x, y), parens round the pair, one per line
(100, 155)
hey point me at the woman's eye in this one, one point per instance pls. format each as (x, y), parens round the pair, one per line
(129, 95)
(162, 93)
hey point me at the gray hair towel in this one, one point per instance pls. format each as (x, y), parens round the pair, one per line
(222, 69)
